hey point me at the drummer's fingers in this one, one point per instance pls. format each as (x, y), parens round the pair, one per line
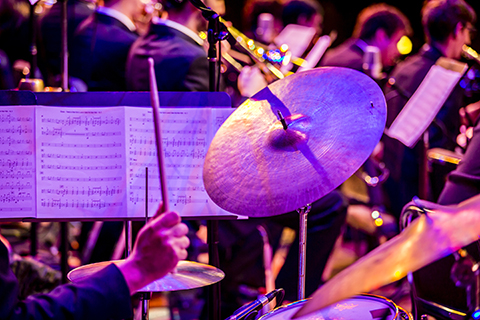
(165, 220)
(176, 236)
(180, 245)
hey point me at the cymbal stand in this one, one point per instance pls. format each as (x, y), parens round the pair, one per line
(302, 250)
(141, 313)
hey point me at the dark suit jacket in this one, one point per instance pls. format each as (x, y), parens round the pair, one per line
(105, 295)
(347, 55)
(180, 63)
(404, 162)
(432, 282)
(50, 36)
(99, 52)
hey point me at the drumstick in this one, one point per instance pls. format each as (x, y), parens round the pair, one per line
(158, 134)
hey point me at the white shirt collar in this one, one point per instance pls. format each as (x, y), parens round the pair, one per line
(181, 28)
(119, 16)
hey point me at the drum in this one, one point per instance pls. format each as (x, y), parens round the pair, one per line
(363, 307)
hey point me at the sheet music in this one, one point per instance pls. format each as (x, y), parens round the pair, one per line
(80, 162)
(89, 162)
(424, 105)
(186, 136)
(17, 161)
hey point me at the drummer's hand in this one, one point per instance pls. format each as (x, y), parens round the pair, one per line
(160, 244)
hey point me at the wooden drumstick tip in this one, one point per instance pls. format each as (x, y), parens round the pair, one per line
(282, 120)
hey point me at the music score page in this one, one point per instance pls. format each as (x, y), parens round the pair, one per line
(90, 162)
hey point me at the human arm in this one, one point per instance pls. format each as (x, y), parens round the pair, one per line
(159, 247)
(106, 294)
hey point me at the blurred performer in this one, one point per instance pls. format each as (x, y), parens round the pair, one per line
(262, 19)
(377, 31)
(101, 43)
(434, 282)
(106, 294)
(306, 13)
(180, 60)
(447, 25)
(50, 36)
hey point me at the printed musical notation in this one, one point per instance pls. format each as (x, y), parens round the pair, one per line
(194, 154)
(10, 118)
(16, 130)
(145, 152)
(80, 167)
(140, 175)
(17, 160)
(81, 145)
(12, 141)
(16, 175)
(195, 142)
(19, 197)
(59, 132)
(87, 121)
(82, 156)
(83, 191)
(173, 189)
(91, 160)
(180, 121)
(80, 161)
(80, 179)
(10, 163)
(18, 186)
(10, 152)
(79, 204)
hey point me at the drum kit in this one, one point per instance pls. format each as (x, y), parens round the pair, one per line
(291, 144)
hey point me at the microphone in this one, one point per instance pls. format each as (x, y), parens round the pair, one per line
(265, 27)
(254, 306)
(372, 63)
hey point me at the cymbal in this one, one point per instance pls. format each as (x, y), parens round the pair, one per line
(254, 167)
(188, 275)
(428, 238)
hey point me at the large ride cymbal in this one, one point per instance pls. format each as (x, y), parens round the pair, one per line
(429, 238)
(188, 275)
(254, 167)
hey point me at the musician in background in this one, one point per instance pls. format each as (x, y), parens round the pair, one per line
(306, 13)
(101, 44)
(262, 19)
(180, 59)
(377, 31)
(447, 26)
(50, 36)
(105, 294)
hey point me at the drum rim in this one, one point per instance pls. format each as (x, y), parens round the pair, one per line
(365, 296)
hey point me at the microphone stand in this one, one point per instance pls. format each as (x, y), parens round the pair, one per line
(216, 32)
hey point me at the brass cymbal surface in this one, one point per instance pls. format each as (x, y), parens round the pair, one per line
(334, 117)
(188, 275)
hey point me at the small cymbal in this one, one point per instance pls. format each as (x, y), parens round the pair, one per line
(188, 275)
(334, 119)
(428, 238)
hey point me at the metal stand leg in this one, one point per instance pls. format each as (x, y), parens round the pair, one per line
(141, 313)
(303, 212)
(213, 301)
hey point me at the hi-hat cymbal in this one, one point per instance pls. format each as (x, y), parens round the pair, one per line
(188, 275)
(427, 239)
(254, 167)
